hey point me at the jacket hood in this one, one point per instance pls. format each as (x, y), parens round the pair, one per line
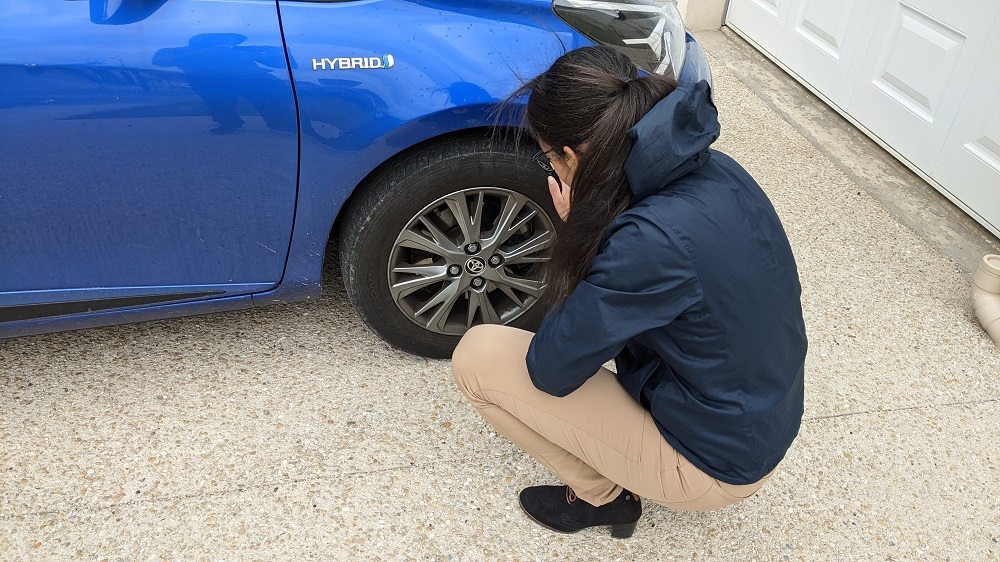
(672, 139)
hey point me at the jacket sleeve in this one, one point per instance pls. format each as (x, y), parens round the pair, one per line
(642, 278)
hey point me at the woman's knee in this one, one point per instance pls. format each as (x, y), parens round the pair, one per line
(468, 354)
(486, 349)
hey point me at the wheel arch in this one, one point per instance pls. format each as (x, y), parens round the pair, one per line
(323, 212)
(504, 134)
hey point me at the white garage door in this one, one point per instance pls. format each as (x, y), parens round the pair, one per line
(921, 76)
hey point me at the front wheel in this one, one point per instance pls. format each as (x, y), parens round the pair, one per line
(451, 236)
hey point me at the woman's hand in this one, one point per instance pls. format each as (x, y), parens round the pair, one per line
(560, 197)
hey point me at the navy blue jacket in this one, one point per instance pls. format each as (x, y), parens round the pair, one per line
(696, 296)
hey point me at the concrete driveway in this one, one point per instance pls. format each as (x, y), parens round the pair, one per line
(293, 433)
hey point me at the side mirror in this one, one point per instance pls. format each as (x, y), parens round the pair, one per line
(122, 12)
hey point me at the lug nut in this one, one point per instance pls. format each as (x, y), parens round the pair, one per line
(496, 259)
(477, 282)
(472, 248)
(454, 270)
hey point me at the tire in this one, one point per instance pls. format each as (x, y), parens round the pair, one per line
(407, 263)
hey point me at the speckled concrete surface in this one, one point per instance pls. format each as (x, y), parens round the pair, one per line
(292, 433)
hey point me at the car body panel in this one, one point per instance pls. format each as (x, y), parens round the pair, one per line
(135, 187)
(143, 156)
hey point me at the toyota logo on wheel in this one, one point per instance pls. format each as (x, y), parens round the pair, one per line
(475, 266)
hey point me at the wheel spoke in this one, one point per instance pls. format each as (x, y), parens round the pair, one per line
(510, 293)
(440, 238)
(477, 217)
(511, 206)
(522, 252)
(424, 270)
(529, 286)
(469, 225)
(480, 301)
(491, 313)
(410, 239)
(474, 304)
(446, 299)
(430, 274)
(524, 220)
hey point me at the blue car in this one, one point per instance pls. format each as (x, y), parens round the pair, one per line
(161, 158)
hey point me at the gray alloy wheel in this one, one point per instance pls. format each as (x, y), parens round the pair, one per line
(450, 234)
(466, 259)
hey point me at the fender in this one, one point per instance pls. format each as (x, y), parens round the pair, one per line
(449, 67)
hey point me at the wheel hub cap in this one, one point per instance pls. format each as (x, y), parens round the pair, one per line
(475, 266)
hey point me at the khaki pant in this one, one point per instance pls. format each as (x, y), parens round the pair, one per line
(596, 440)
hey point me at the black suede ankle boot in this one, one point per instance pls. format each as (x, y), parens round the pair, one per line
(558, 508)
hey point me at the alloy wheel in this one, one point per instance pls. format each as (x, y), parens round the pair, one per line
(470, 257)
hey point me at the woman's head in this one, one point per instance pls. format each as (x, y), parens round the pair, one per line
(590, 94)
(580, 111)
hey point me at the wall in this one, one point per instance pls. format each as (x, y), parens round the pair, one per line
(701, 15)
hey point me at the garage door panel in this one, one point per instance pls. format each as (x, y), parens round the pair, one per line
(761, 20)
(971, 173)
(969, 167)
(918, 63)
(824, 24)
(986, 151)
(917, 71)
(985, 148)
(822, 42)
(988, 145)
(769, 6)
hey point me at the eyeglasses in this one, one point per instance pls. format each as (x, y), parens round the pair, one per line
(543, 161)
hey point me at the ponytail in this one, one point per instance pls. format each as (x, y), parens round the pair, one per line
(588, 100)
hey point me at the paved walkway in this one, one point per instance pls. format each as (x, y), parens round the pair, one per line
(292, 433)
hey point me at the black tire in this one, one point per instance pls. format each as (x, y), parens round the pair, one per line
(378, 257)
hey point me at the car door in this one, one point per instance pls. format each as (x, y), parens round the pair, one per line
(148, 153)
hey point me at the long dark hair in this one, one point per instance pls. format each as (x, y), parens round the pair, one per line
(588, 100)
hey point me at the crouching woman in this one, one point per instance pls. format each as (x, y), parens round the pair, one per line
(672, 262)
